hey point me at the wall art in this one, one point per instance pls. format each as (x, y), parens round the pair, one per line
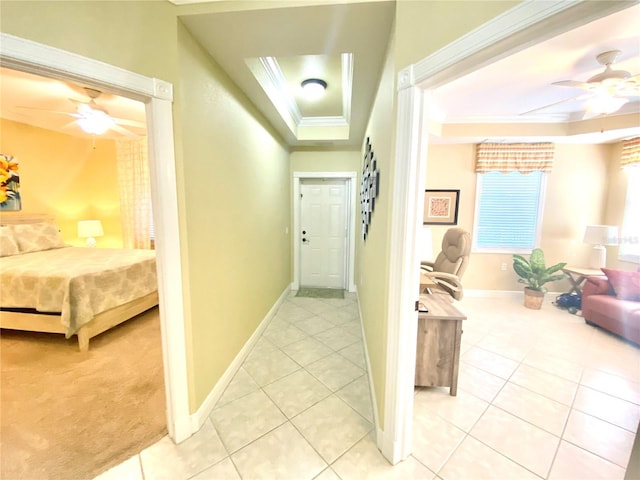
(369, 188)
(9, 183)
(441, 207)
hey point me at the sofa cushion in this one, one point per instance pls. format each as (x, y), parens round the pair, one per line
(625, 284)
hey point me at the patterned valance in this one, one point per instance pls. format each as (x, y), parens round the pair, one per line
(514, 157)
(630, 153)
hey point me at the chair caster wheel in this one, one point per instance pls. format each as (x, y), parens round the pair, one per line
(572, 310)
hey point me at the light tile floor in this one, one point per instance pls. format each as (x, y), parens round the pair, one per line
(540, 395)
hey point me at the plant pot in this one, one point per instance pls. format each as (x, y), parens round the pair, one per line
(533, 298)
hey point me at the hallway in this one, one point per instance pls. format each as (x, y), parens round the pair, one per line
(299, 408)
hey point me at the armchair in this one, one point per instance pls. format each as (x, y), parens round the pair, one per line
(445, 272)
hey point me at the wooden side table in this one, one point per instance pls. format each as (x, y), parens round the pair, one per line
(438, 346)
(577, 276)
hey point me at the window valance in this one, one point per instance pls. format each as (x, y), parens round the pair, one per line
(514, 157)
(630, 153)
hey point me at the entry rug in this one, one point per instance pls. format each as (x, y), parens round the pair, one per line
(320, 292)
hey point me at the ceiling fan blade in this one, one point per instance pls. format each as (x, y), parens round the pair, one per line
(573, 83)
(117, 128)
(566, 100)
(56, 112)
(129, 123)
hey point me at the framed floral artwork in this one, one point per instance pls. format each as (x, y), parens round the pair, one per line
(441, 207)
(9, 183)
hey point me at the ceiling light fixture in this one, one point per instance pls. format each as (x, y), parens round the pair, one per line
(604, 104)
(93, 121)
(313, 88)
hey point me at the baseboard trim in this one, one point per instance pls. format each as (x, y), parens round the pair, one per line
(200, 416)
(502, 293)
(492, 293)
(374, 404)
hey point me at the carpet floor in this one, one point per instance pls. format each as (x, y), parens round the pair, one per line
(70, 415)
(320, 292)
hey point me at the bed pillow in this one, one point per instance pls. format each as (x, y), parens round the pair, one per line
(33, 237)
(8, 244)
(625, 283)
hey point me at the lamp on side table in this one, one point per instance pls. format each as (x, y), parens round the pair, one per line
(599, 236)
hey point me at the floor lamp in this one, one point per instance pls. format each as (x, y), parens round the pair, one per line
(599, 236)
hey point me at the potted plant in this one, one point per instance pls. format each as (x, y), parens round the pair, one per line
(534, 273)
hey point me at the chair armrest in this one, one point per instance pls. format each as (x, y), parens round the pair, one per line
(448, 281)
(596, 286)
(426, 266)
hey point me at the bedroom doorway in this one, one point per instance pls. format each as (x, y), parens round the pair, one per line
(24, 55)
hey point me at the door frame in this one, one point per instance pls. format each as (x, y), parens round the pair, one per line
(350, 251)
(524, 25)
(157, 95)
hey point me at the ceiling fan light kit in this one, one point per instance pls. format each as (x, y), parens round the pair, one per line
(607, 91)
(92, 121)
(605, 104)
(313, 88)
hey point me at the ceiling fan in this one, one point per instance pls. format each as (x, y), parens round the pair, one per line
(607, 91)
(94, 119)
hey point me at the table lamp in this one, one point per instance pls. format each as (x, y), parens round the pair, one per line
(599, 236)
(90, 229)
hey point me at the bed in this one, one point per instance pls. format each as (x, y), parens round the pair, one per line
(49, 286)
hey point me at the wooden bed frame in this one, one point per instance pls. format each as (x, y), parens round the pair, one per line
(48, 323)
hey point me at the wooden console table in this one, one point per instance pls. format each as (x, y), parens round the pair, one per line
(438, 346)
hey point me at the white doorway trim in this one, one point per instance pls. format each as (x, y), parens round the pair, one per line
(524, 25)
(25, 55)
(350, 178)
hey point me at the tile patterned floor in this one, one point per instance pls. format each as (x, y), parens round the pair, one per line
(541, 395)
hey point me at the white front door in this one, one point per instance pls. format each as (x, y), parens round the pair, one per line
(323, 233)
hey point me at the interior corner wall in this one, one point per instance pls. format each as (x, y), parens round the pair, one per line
(576, 194)
(68, 177)
(238, 198)
(372, 254)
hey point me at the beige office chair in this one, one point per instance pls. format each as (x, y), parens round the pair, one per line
(443, 275)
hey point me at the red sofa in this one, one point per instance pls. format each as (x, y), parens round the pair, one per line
(613, 303)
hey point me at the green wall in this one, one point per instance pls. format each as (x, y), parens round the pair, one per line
(237, 199)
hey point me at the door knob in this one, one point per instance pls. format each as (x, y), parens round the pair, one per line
(304, 232)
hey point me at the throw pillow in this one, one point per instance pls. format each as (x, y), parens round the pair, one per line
(625, 283)
(33, 237)
(8, 244)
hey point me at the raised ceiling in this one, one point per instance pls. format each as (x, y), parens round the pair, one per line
(492, 103)
(267, 53)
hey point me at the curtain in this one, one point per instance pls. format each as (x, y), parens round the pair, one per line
(135, 192)
(514, 157)
(630, 153)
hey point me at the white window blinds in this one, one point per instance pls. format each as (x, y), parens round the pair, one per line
(508, 211)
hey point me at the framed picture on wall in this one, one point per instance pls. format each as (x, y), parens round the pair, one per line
(441, 207)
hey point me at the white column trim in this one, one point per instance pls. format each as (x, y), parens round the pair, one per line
(404, 280)
(26, 55)
(351, 178)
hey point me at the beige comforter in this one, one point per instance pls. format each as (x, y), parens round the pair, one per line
(78, 282)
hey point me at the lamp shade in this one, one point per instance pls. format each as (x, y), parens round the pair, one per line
(601, 235)
(90, 229)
